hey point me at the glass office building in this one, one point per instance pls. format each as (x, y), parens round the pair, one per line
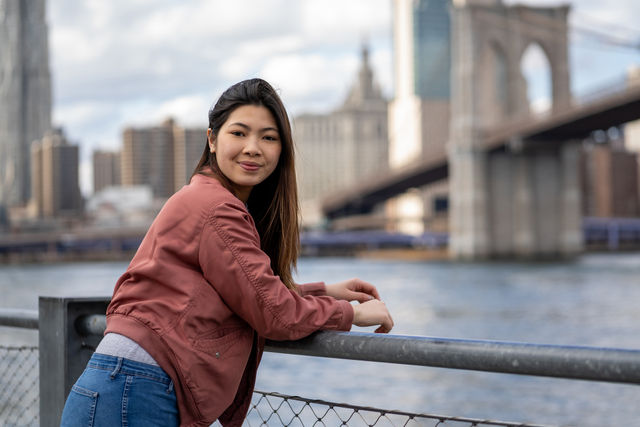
(432, 48)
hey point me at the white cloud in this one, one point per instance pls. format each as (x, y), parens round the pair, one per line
(188, 110)
(310, 82)
(329, 21)
(78, 114)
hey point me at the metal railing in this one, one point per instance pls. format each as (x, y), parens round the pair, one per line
(574, 362)
(19, 404)
(70, 328)
(611, 233)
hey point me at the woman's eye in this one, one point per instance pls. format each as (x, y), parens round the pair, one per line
(270, 138)
(237, 133)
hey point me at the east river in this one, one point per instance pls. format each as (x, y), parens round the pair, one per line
(593, 301)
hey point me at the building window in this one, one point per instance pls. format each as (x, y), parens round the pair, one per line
(440, 204)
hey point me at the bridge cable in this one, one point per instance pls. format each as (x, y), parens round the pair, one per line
(631, 42)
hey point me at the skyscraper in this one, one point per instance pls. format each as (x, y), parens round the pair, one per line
(162, 157)
(106, 169)
(147, 158)
(431, 49)
(56, 191)
(188, 144)
(25, 94)
(419, 114)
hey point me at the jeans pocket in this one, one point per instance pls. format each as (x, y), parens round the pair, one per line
(80, 408)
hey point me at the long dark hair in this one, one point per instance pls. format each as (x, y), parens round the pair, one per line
(273, 203)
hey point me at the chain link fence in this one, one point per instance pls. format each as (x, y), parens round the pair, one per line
(19, 404)
(19, 387)
(275, 409)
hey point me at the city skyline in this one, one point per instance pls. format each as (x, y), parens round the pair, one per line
(127, 64)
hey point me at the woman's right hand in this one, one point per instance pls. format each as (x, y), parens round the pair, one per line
(373, 312)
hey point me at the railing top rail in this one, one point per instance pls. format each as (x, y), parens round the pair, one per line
(19, 318)
(575, 362)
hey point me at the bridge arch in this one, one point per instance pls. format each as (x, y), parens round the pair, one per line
(496, 38)
(547, 28)
(538, 78)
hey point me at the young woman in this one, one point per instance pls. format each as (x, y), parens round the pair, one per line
(211, 280)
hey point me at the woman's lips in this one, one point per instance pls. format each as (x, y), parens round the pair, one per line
(249, 166)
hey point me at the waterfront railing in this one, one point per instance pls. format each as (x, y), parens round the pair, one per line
(70, 329)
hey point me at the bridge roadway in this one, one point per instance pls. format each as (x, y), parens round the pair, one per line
(577, 122)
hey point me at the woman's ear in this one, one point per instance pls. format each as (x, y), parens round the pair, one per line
(212, 139)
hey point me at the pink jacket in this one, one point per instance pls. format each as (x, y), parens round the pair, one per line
(200, 297)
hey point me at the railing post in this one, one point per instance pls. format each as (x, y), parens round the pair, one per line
(64, 352)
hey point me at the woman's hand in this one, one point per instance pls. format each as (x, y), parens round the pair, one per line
(353, 290)
(371, 313)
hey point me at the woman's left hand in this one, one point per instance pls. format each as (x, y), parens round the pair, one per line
(353, 290)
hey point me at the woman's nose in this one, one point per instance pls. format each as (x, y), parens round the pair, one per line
(252, 147)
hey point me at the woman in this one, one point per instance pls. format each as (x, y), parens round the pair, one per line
(211, 280)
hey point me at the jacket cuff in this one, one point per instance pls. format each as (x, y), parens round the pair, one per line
(347, 319)
(316, 289)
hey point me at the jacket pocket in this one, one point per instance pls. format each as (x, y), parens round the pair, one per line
(220, 341)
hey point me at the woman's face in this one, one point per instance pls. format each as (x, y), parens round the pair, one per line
(247, 147)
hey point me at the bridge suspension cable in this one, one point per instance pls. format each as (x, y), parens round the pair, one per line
(631, 35)
(608, 39)
(594, 30)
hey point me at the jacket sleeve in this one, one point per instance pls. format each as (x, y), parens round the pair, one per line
(233, 263)
(316, 289)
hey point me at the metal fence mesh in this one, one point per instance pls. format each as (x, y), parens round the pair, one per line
(19, 404)
(19, 387)
(274, 409)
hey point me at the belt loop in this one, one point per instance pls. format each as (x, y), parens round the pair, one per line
(117, 368)
(170, 388)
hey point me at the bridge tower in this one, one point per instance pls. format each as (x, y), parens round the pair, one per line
(523, 201)
(25, 95)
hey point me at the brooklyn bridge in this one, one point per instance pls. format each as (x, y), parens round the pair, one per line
(513, 176)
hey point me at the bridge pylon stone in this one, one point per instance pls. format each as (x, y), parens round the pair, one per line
(522, 201)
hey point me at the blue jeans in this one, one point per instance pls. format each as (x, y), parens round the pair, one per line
(113, 391)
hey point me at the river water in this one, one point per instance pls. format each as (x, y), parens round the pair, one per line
(592, 301)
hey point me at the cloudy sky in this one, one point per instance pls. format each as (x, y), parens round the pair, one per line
(134, 62)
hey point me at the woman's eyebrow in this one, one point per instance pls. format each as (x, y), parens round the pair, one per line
(239, 124)
(249, 128)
